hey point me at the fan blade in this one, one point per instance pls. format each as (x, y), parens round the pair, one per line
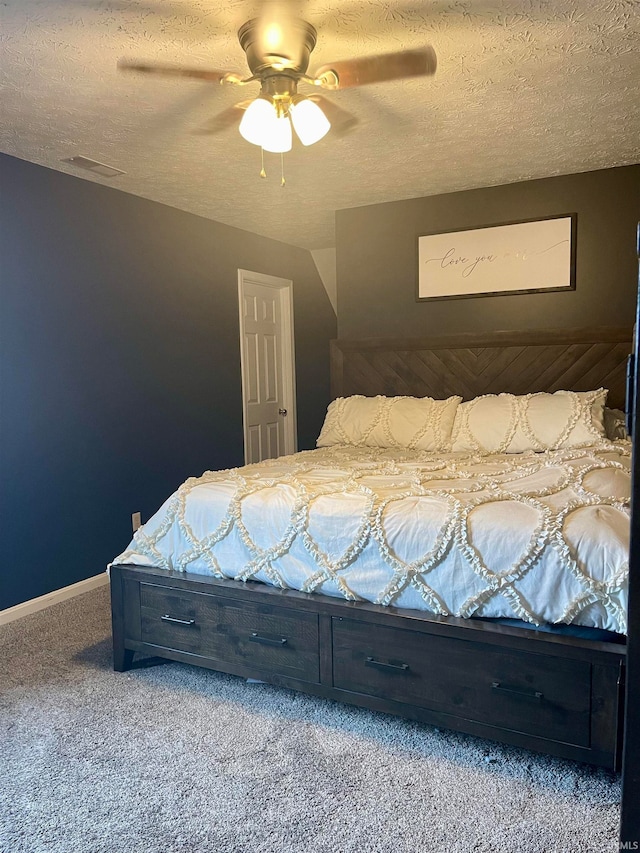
(224, 119)
(364, 70)
(342, 121)
(179, 71)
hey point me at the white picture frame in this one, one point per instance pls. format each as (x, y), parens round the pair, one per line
(517, 257)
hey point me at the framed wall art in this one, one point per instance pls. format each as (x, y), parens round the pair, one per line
(518, 257)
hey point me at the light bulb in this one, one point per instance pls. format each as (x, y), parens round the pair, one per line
(256, 117)
(310, 123)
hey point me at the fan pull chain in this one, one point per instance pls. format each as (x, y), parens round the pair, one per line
(263, 173)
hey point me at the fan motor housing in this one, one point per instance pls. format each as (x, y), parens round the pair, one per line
(281, 44)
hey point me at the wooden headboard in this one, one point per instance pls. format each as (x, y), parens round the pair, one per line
(474, 364)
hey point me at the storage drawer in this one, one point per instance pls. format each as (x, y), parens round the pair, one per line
(535, 694)
(273, 639)
(174, 618)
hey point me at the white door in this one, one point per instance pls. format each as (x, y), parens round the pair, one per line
(267, 358)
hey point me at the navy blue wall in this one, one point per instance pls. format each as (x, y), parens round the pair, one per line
(377, 258)
(119, 360)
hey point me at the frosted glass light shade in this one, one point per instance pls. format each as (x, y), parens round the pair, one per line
(257, 115)
(310, 123)
(276, 134)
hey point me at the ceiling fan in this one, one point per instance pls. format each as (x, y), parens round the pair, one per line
(278, 47)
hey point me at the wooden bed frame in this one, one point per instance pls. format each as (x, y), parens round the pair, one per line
(555, 694)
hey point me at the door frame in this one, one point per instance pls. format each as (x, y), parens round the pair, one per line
(284, 287)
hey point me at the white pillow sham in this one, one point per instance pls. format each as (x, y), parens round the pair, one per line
(505, 423)
(416, 423)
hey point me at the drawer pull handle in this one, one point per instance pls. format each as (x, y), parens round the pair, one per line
(380, 664)
(174, 621)
(534, 695)
(267, 641)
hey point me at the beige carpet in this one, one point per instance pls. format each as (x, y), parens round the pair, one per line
(172, 758)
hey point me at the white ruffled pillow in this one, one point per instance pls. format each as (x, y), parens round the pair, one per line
(416, 423)
(505, 423)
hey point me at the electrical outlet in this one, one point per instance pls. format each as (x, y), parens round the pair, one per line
(136, 521)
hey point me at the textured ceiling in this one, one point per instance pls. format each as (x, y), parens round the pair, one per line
(523, 90)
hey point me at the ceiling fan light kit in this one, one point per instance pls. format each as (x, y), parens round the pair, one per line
(267, 120)
(278, 47)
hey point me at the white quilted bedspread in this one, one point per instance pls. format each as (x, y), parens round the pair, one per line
(542, 537)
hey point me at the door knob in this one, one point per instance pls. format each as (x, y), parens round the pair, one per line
(282, 411)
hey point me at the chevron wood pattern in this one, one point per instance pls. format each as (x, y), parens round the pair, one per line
(471, 365)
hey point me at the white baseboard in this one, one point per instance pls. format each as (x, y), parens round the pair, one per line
(55, 597)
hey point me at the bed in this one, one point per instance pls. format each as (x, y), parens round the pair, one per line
(447, 581)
